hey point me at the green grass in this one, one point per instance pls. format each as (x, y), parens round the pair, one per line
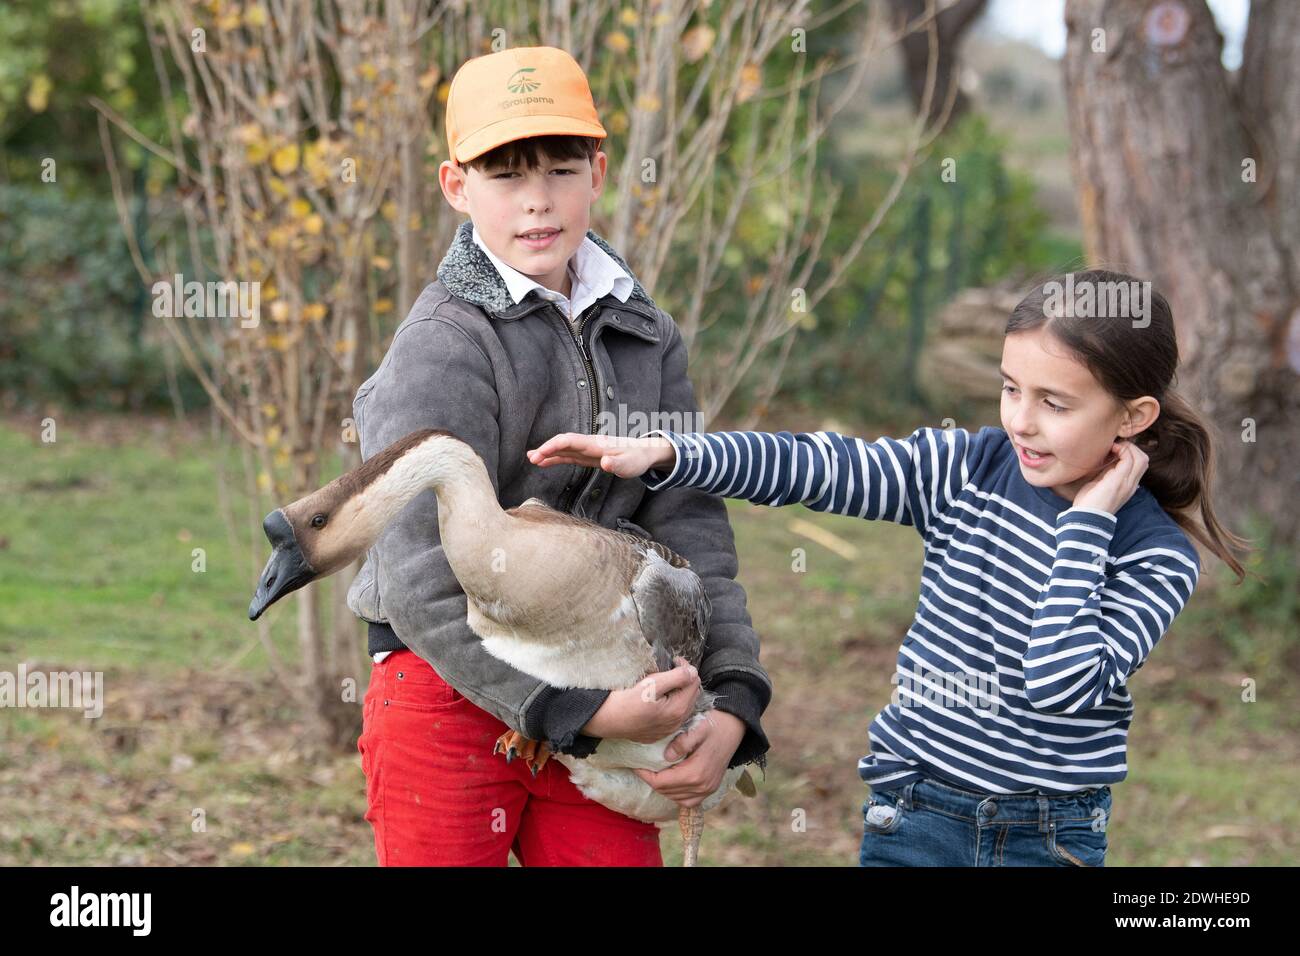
(99, 564)
(95, 572)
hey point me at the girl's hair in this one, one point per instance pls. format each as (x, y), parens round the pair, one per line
(1134, 354)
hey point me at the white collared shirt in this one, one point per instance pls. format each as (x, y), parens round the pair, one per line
(593, 273)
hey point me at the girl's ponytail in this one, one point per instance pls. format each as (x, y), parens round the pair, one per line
(1180, 475)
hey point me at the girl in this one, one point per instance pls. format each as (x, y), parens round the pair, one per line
(1057, 553)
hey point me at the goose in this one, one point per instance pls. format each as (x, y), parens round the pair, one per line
(642, 607)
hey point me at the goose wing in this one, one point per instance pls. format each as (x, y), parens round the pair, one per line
(673, 608)
(670, 600)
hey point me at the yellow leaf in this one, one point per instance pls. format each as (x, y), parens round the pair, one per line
(38, 94)
(255, 16)
(444, 91)
(429, 77)
(313, 224)
(388, 210)
(618, 42)
(242, 849)
(269, 410)
(277, 342)
(273, 436)
(697, 41)
(343, 346)
(263, 481)
(751, 79)
(277, 186)
(257, 151)
(383, 305)
(648, 102)
(285, 159)
(629, 17)
(299, 208)
(617, 123)
(382, 263)
(368, 70)
(314, 312)
(280, 311)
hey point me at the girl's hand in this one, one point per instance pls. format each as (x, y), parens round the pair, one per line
(625, 457)
(1115, 485)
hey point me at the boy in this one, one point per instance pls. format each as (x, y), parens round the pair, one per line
(535, 326)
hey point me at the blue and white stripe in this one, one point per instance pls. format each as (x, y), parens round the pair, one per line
(1039, 609)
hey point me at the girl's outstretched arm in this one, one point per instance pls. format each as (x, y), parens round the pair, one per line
(905, 480)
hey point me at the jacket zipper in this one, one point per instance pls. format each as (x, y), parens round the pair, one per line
(589, 367)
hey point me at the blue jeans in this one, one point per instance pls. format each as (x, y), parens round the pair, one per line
(928, 823)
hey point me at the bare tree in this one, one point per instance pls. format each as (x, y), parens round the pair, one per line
(307, 160)
(952, 20)
(1193, 180)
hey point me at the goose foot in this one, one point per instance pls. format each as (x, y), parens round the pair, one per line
(514, 745)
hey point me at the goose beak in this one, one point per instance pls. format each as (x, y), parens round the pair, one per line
(285, 571)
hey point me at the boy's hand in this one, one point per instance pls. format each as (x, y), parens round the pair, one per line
(625, 457)
(1116, 482)
(710, 747)
(651, 710)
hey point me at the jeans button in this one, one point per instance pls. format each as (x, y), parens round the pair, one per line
(991, 809)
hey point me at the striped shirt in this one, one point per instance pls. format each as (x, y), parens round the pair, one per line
(1032, 613)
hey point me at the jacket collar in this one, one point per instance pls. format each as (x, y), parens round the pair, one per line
(468, 274)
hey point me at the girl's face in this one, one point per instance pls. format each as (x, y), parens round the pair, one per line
(1061, 420)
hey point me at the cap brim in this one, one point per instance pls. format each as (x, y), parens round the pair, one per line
(523, 127)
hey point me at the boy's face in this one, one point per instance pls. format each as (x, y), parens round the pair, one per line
(532, 219)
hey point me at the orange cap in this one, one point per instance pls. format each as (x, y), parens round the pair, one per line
(514, 94)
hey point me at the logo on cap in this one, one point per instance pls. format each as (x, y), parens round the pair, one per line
(518, 83)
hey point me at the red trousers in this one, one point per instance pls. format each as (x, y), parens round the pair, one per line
(438, 796)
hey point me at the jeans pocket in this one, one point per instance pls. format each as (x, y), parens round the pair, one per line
(882, 813)
(1077, 843)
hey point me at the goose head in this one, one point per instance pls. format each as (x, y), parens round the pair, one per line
(330, 528)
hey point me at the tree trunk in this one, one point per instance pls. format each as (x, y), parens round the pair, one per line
(950, 26)
(331, 723)
(1190, 183)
